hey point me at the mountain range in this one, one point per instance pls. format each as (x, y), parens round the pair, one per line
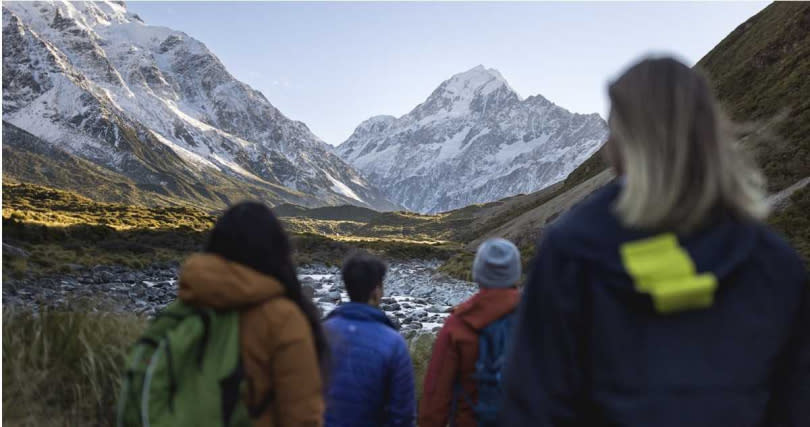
(473, 140)
(98, 102)
(156, 111)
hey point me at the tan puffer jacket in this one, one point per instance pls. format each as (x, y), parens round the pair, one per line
(278, 350)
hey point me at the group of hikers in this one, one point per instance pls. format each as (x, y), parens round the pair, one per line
(660, 300)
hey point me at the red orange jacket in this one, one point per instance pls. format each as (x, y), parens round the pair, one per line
(455, 353)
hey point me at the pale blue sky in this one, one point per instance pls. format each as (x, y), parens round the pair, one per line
(333, 65)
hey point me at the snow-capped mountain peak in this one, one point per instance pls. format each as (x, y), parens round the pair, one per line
(478, 80)
(96, 81)
(473, 140)
(477, 90)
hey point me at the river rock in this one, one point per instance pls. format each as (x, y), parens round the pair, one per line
(14, 251)
(308, 291)
(436, 309)
(414, 295)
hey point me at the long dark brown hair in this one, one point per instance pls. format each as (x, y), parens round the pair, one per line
(250, 234)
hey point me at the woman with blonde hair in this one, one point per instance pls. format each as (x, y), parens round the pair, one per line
(662, 299)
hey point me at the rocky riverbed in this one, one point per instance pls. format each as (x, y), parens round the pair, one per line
(416, 297)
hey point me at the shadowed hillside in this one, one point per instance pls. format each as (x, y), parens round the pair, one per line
(760, 73)
(29, 159)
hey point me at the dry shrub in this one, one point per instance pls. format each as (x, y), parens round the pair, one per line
(64, 368)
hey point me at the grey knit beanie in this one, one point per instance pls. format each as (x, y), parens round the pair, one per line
(497, 264)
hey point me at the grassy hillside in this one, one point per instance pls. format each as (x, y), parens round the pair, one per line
(794, 222)
(760, 73)
(62, 231)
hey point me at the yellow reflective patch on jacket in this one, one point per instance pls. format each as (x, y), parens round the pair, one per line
(660, 267)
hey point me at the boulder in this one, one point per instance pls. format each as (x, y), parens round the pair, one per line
(308, 291)
(395, 322)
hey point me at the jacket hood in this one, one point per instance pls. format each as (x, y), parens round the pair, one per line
(486, 306)
(361, 312)
(655, 262)
(212, 281)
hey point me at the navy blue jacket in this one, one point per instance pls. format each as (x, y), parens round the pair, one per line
(593, 349)
(371, 380)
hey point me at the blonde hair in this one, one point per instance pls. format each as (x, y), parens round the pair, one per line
(680, 160)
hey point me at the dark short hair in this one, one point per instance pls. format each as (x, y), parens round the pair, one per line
(362, 273)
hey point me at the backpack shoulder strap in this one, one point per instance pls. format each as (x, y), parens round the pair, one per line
(458, 392)
(494, 337)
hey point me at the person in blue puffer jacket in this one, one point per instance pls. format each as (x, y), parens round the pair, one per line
(371, 376)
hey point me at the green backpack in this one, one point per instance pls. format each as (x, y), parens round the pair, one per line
(185, 370)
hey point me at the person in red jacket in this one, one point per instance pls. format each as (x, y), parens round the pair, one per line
(497, 270)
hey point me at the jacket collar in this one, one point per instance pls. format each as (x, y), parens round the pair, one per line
(486, 306)
(212, 281)
(361, 312)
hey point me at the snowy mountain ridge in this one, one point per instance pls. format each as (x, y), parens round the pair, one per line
(473, 140)
(157, 106)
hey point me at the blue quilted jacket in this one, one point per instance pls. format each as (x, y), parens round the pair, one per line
(371, 380)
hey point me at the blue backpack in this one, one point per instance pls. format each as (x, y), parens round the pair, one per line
(493, 342)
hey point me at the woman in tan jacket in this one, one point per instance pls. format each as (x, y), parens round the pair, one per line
(247, 265)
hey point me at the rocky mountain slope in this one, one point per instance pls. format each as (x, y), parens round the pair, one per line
(473, 140)
(157, 107)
